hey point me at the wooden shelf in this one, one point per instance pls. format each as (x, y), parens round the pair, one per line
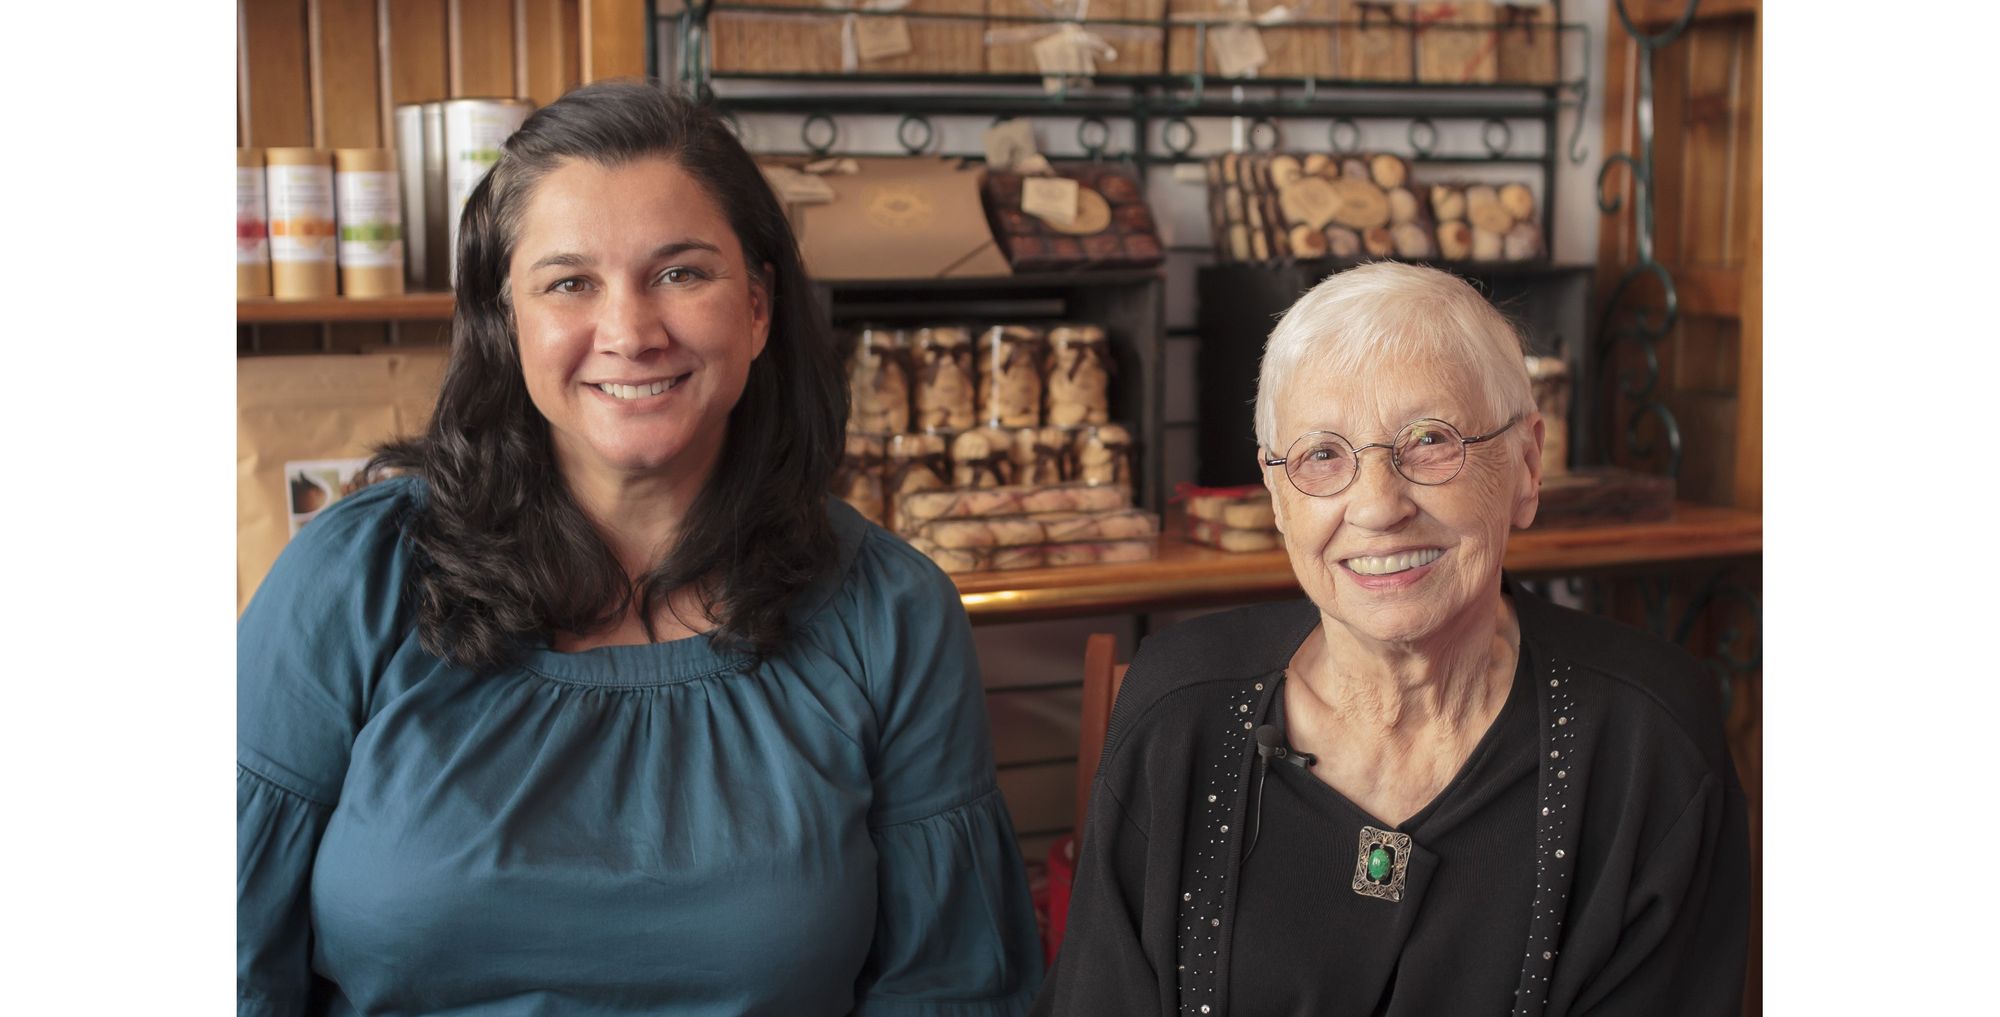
(407, 307)
(1190, 575)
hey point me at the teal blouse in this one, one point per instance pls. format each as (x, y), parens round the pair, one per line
(626, 830)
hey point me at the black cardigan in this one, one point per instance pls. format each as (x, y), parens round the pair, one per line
(1643, 886)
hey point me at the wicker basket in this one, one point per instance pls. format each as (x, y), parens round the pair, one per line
(811, 41)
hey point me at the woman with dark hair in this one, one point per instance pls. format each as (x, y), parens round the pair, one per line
(602, 706)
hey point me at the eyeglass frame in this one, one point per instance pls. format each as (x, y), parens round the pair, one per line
(1395, 462)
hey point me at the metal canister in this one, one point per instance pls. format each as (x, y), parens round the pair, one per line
(412, 190)
(473, 132)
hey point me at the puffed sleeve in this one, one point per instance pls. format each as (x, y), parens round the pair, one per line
(307, 650)
(1683, 946)
(955, 931)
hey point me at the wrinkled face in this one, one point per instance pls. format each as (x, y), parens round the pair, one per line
(1394, 561)
(636, 316)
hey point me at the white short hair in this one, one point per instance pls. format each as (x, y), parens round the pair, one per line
(1389, 313)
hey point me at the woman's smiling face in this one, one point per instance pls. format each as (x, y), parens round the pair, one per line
(636, 317)
(1395, 561)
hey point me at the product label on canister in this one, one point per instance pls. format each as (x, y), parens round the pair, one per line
(371, 219)
(253, 246)
(301, 199)
(473, 136)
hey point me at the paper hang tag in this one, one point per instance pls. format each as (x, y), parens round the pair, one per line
(1037, 164)
(833, 164)
(1050, 198)
(1239, 50)
(795, 188)
(1065, 52)
(1310, 201)
(878, 38)
(1008, 143)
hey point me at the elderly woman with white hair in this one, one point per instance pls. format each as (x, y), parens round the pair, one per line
(1421, 790)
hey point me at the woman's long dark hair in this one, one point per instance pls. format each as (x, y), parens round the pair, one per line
(502, 553)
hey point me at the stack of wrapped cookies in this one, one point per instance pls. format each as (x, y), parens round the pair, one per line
(1231, 518)
(1021, 526)
(951, 407)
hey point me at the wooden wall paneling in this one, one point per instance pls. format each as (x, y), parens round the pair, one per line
(346, 78)
(546, 46)
(419, 50)
(1714, 131)
(614, 38)
(275, 73)
(482, 49)
(1749, 487)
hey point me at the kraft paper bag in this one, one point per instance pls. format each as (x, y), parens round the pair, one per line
(304, 427)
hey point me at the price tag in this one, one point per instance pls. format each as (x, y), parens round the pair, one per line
(1239, 50)
(1050, 198)
(878, 38)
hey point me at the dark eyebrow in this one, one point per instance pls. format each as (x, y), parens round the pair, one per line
(667, 250)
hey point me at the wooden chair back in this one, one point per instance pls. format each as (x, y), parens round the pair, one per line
(1102, 674)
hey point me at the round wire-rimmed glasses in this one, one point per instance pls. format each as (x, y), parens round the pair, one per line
(1428, 452)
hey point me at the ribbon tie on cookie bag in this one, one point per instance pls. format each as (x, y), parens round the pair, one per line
(850, 46)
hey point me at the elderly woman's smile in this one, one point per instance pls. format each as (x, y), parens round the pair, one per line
(1389, 558)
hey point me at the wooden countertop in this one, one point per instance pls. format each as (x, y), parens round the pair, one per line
(1190, 575)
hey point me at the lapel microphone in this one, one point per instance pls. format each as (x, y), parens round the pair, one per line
(1270, 745)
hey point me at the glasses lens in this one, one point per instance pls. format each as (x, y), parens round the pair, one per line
(1320, 463)
(1430, 452)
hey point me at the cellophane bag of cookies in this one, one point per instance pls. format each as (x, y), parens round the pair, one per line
(858, 480)
(1044, 455)
(1078, 386)
(1011, 359)
(944, 378)
(982, 457)
(1103, 455)
(878, 381)
(914, 462)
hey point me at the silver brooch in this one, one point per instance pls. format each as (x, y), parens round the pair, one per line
(1381, 863)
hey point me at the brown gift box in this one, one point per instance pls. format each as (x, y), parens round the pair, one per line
(912, 218)
(1139, 49)
(308, 409)
(811, 42)
(1291, 51)
(1125, 236)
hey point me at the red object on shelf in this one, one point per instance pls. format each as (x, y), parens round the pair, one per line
(1062, 873)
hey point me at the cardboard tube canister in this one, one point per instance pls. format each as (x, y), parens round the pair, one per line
(410, 176)
(365, 193)
(474, 131)
(300, 192)
(253, 242)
